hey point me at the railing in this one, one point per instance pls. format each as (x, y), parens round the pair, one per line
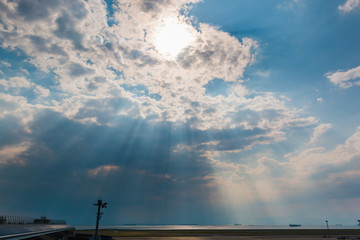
(8, 219)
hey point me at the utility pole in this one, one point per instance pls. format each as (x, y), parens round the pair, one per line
(327, 226)
(99, 204)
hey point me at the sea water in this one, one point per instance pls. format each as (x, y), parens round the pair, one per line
(211, 227)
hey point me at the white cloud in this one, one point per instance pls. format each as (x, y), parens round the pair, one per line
(318, 131)
(345, 79)
(320, 99)
(17, 83)
(289, 4)
(272, 180)
(318, 157)
(264, 74)
(11, 153)
(20, 108)
(349, 5)
(6, 64)
(103, 170)
(97, 66)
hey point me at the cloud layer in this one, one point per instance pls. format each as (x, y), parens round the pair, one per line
(90, 107)
(120, 69)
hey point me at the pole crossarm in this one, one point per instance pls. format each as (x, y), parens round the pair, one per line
(100, 204)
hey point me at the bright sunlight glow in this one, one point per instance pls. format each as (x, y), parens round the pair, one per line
(171, 37)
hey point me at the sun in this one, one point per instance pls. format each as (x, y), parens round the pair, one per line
(172, 36)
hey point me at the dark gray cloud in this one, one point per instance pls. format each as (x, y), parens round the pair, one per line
(140, 58)
(150, 178)
(37, 9)
(33, 10)
(42, 45)
(103, 109)
(339, 182)
(77, 70)
(152, 5)
(56, 172)
(66, 29)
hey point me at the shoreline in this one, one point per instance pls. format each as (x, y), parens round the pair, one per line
(228, 234)
(239, 227)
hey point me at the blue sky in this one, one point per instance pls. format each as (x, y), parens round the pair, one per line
(181, 112)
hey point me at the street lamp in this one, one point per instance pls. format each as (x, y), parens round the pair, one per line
(99, 204)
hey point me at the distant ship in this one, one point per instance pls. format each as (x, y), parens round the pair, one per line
(44, 220)
(294, 225)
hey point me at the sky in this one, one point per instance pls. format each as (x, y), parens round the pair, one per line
(181, 111)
